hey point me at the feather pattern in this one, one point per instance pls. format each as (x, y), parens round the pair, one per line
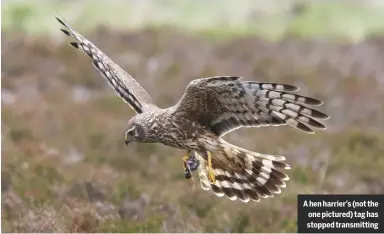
(123, 83)
(256, 176)
(231, 104)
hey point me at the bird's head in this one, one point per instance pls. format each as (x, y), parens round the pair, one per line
(135, 131)
(140, 129)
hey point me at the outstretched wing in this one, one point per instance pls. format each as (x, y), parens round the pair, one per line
(124, 84)
(225, 103)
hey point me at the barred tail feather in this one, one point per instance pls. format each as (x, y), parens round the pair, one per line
(252, 176)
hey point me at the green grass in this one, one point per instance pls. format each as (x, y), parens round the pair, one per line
(273, 20)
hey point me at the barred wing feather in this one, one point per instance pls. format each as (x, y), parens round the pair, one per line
(123, 83)
(226, 103)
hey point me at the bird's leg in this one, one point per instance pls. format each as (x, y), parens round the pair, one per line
(185, 159)
(187, 170)
(211, 173)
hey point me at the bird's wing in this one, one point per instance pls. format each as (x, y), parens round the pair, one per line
(123, 83)
(225, 103)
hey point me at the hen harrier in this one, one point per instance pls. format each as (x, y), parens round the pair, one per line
(210, 108)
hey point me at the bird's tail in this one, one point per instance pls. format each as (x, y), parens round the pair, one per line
(252, 175)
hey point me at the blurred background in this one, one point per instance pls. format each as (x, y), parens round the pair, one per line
(65, 167)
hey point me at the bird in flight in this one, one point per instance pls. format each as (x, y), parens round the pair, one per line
(210, 108)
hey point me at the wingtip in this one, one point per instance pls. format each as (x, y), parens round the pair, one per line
(304, 128)
(60, 18)
(74, 45)
(313, 102)
(65, 32)
(320, 102)
(319, 115)
(60, 21)
(292, 88)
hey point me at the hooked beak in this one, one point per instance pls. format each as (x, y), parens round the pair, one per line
(127, 141)
(127, 138)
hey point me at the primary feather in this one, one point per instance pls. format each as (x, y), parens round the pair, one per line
(233, 104)
(123, 83)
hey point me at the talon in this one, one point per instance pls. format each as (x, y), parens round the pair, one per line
(193, 163)
(187, 171)
(187, 174)
(211, 173)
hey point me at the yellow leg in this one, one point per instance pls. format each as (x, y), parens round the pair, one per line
(211, 173)
(185, 158)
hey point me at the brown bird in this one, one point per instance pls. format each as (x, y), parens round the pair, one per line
(210, 108)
